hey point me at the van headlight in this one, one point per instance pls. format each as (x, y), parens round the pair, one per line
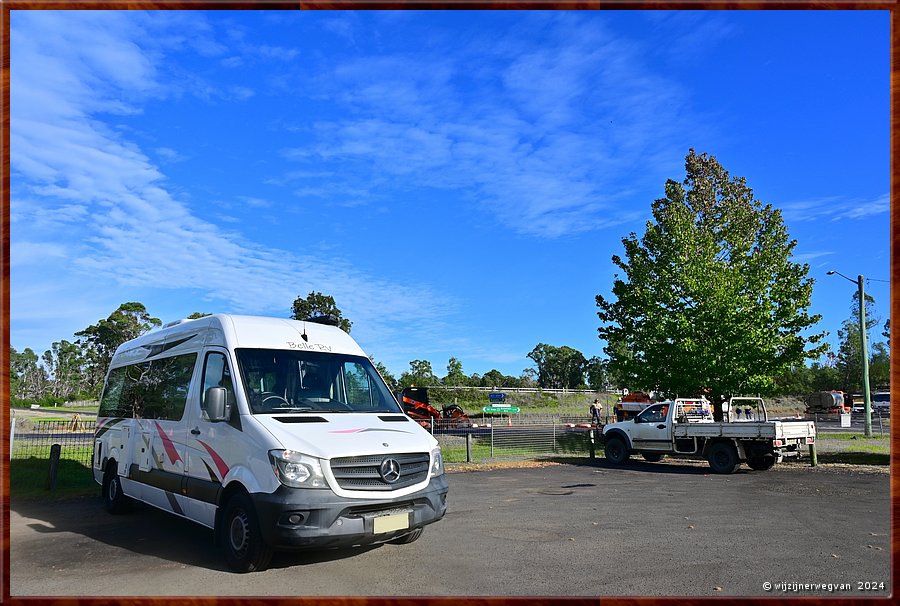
(297, 470)
(437, 463)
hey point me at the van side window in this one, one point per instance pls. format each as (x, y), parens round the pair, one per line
(217, 374)
(359, 393)
(149, 390)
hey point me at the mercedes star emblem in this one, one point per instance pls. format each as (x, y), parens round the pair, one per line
(390, 470)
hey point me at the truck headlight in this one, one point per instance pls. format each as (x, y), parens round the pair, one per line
(297, 470)
(437, 463)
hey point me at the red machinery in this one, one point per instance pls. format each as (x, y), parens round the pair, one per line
(417, 406)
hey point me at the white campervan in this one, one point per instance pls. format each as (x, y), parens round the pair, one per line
(277, 434)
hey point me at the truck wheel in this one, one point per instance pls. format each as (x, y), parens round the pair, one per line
(653, 457)
(723, 458)
(615, 451)
(239, 535)
(115, 500)
(761, 463)
(407, 538)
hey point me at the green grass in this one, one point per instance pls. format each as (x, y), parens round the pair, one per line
(29, 479)
(853, 436)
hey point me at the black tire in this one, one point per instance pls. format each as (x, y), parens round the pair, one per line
(115, 500)
(653, 457)
(615, 451)
(407, 538)
(762, 463)
(723, 458)
(240, 537)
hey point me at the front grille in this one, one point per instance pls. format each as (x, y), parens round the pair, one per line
(363, 473)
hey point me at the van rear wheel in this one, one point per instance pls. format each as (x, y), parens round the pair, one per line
(115, 500)
(240, 537)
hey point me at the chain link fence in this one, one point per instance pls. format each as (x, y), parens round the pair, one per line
(529, 438)
(31, 438)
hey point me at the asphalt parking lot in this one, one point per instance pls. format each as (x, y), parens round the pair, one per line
(668, 529)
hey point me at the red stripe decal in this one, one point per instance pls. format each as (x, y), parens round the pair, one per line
(220, 464)
(169, 446)
(345, 430)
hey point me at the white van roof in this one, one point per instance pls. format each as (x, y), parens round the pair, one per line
(236, 331)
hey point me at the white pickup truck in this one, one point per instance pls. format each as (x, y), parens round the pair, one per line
(685, 427)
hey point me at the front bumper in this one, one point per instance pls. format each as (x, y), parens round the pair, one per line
(292, 518)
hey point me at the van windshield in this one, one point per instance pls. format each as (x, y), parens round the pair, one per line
(279, 381)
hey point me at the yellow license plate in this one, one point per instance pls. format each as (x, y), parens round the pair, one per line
(390, 523)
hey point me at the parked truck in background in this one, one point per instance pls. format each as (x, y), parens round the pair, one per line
(684, 427)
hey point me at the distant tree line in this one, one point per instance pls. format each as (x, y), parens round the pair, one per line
(75, 370)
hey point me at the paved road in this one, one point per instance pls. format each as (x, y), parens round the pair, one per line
(650, 529)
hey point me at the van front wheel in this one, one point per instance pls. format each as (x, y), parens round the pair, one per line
(240, 537)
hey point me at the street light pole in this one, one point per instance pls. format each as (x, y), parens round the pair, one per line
(864, 348)
(867, 394)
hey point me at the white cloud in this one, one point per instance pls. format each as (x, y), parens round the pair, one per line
(527, 151)
(120, 230)
(835, 209)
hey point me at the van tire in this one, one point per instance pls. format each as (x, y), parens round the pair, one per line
(115, 500)
(653, 457)
(407, 538)
(240, 537)
(616, 451)
(723, 458)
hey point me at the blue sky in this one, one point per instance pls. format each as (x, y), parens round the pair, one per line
(457, 181)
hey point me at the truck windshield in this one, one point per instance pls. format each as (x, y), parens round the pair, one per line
(280, 381)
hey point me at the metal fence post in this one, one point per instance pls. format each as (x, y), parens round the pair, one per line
(468, 447)
(492, 440)
(12, 436)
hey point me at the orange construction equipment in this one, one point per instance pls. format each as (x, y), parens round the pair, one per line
(417, 406)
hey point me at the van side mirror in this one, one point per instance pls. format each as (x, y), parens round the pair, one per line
(216, 406)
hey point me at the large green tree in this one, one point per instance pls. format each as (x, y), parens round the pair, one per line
(849, 355)
(99, 341)
(317, 304)
(65, 364)
(709, 298)
(558, 367)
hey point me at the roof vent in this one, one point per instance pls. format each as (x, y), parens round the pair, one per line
(327, 319)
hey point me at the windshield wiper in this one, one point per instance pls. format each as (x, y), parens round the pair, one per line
(290, 409)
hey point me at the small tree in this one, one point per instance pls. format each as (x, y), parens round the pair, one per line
(710, 298)
(317, 304)
(455, 375)
(420, 374)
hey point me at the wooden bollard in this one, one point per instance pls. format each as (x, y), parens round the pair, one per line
(55, 450)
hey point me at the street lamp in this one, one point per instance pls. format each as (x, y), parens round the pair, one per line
(865, 350)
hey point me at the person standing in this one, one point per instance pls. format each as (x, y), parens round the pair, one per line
(596, 412)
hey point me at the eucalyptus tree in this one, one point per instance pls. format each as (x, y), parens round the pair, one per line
(317, 304)
(99, 341)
